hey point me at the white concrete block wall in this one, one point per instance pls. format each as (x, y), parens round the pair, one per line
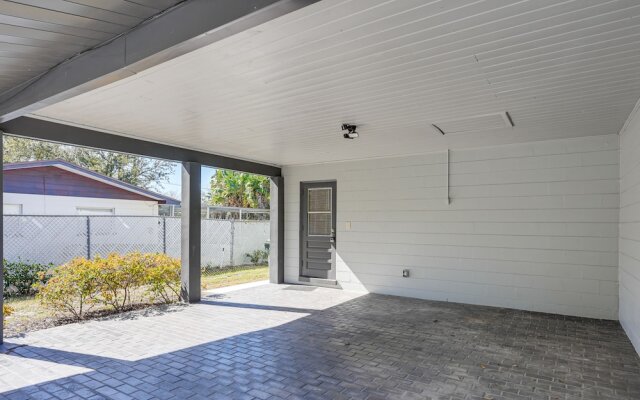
(249, 236)
(630, 229)
(531, 226)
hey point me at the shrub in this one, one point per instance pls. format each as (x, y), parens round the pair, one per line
(163, 277)
(118, 277)
(116, 281)
(7, 310)
(20, 277)
(258, 256)
(72, 287)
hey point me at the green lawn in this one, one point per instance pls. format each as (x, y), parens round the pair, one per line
(234, 276)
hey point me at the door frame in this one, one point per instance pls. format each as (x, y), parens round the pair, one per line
(333, 184)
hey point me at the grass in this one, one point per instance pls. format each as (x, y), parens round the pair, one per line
(223, 277)
(27, 315)
(25, 306)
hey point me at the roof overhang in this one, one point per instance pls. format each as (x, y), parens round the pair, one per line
(184, 28)
(278, 92)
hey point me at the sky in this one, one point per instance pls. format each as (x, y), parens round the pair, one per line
(172, 188)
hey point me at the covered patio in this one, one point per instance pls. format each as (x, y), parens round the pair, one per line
(455, 193)
(299, 342)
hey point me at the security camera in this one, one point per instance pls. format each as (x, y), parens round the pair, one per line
(351, 131)
(351, 135)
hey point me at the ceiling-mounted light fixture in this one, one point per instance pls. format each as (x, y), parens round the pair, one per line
(351, 131)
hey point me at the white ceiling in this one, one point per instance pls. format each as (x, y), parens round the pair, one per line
(278, 93)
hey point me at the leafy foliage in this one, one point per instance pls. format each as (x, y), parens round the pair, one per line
(239, 189)
(19, 277)
(140, 171)
(258, 257)
(6, 310)
(72, 287)
(118, 276)
(115, 281)
(162, 277)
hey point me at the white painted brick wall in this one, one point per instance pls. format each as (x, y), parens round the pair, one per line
(630, 229)
(531, 226)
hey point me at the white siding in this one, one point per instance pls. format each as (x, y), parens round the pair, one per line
(531, 226)
(33, 204)
(630, 229)
(12, 209)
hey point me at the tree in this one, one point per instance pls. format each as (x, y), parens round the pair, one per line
(139, 171)
(239, 189)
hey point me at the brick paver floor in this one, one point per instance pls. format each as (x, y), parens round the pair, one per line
(291, 342)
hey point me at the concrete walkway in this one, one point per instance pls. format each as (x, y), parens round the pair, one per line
(291, 342)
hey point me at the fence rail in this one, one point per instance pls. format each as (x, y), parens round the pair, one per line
(58, 239)
(219, 212)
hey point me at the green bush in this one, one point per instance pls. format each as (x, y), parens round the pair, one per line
(6, 310)
(72, 288)
(162, 277)
(20, 277)
(118, 278)
(115, 281)
(258, 257)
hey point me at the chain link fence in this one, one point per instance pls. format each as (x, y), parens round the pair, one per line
(58, 239)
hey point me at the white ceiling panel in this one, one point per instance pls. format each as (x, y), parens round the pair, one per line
(279, 93)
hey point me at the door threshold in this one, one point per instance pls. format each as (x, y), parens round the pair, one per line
(330, 283)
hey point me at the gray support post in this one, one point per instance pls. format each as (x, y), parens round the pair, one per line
(191, 221)
(1, 249)
(276, 248)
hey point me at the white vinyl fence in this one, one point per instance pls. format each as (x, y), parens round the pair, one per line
(58, 239)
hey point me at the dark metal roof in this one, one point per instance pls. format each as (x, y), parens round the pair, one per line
(92, 174)
(36, 35)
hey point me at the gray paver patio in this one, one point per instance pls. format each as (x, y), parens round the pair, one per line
(291, 342)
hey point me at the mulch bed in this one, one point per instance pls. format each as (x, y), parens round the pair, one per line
(15, 326)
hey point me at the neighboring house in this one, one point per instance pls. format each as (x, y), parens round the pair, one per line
(62, 188)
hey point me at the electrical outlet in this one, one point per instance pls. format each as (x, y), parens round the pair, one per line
(405, 273)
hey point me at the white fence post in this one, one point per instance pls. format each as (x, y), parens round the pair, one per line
(232, 242)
